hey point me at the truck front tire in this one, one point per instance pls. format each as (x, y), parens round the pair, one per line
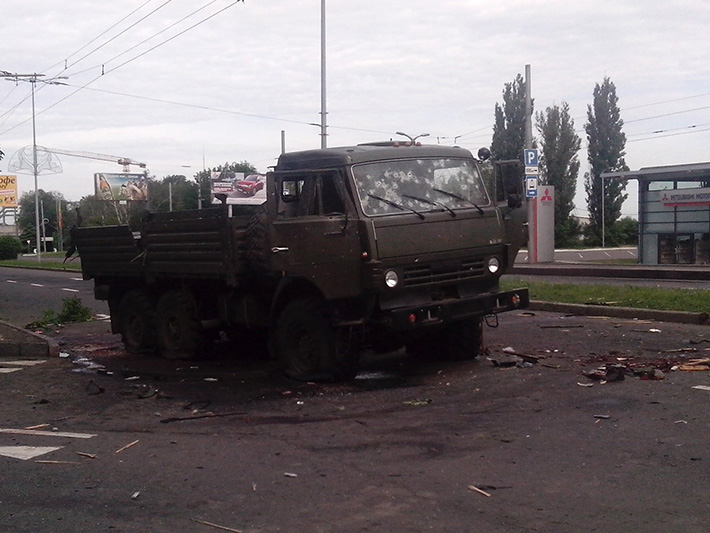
(458, 341)
(309, 348)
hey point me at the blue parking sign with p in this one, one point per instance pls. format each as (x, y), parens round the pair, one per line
(530, 158)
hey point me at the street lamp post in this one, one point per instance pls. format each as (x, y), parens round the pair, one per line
(33, 79)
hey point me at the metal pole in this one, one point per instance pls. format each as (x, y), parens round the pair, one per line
(170, 195)
(532, 227)
(323, 112)
(283, 142)
(603, 198)
(33, 81)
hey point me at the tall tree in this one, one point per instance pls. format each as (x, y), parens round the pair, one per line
(606, 149)
(509, 128)
(559, 167)
(54, 216)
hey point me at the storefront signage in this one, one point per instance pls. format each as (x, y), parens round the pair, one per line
(685, 197)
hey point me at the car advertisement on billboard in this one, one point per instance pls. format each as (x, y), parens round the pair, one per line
(237, 188)
(121, 187)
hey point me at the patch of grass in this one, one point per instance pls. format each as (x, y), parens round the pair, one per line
(694, 301)
(50, 261)
(72, 311)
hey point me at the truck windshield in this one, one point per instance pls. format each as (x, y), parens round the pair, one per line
(419, 185)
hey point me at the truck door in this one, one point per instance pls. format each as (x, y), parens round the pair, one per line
(314, 234)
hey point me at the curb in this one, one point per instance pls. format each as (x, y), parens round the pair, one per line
(679, 317)
(19, 342)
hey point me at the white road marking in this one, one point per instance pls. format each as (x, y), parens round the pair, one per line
(47, 433)
(27, 452)
(77, 279)
(8, 370)
(36, 285)
(17, 362)
(10, 281)
(70, 290)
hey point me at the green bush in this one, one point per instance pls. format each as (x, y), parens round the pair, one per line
(72, 311)
(9, 247)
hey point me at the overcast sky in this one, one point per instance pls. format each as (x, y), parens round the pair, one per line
(221, 89)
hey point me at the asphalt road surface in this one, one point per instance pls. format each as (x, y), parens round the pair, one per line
(25, 294)
(136, 444)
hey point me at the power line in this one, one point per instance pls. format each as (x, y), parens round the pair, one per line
(149, 38)
(121, 32)
(98, 37)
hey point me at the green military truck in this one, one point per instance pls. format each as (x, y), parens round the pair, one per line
(376, 246)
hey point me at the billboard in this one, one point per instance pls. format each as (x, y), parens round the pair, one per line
(121, 187)
(8, 191)
(236, 188)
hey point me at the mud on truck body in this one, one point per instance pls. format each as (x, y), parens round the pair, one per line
(379, 246)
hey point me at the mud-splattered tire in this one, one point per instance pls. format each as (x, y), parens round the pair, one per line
(464, 339)
(179, 331)
(459, 341)
(309, 348)
(137, 322)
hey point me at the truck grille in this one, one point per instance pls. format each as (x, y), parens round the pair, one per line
(417, 275)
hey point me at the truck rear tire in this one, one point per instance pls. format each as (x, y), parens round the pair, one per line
(309, 348)
(179, 331)
(137, 312)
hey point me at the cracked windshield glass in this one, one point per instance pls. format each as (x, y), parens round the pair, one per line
(419, 186)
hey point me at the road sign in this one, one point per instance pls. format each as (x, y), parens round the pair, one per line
(531, 186)
(531, 158)
(532, 171)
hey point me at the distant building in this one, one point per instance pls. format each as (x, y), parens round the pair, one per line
(674, 213)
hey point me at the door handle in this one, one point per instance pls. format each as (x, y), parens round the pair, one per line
(279, 249)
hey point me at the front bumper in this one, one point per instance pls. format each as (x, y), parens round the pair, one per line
(451, 310)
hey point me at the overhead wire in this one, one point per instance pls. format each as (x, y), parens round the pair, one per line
(65, 60)
(147, 39)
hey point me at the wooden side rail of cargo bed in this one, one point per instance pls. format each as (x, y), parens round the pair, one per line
(107, 250)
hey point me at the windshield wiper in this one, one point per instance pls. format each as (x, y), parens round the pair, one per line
(459, 197)
(395, 204)
(430, 202)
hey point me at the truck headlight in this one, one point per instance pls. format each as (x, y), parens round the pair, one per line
(493, 265)
(391, 279)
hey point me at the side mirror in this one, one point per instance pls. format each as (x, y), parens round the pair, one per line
(509, 182)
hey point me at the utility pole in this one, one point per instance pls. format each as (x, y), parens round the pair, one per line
(532, 230)
(323, 112)
(32, 79)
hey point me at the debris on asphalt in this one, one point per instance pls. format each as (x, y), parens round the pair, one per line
(480, 491)
(695, 365)
(88, 455)
(217, 526)
(701, 387)
(290, 474)
(38, 426)
(93, 389)
(135, 495)
(607, 373)
(585, 384)
(424, 401)
(602, 417)
(126, 446)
